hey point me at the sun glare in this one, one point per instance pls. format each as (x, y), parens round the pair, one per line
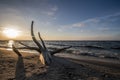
(11, 33)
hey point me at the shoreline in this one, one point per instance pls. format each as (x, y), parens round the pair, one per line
(90, 59)
(62, 68)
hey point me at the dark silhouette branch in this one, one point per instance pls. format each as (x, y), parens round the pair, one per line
(42, 40)
(45, 56)
(59, 50)
(24, 48)
(28, 47)
(23, 44)
(34, 39)
(16, 51)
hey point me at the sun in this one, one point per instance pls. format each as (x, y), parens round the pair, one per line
(11, 33)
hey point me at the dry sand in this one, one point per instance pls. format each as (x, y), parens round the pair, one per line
(62, 68)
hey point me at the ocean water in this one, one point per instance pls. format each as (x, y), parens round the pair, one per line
(103, 49)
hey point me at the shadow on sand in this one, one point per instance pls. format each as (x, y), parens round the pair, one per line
(20, 70)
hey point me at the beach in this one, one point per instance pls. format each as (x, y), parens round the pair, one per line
(59, 40)
(63, 67)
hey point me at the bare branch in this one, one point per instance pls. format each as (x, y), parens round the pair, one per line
(28, 47)
(16, 51)
(22, 48)
(42, 40)
(34, 39)
(59, 50)
(23, 44)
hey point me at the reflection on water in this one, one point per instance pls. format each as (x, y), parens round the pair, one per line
(10, 42)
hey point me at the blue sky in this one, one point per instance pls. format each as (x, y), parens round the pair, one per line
(62, 19)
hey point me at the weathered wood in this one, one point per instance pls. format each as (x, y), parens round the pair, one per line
(34, 38)
(59, 50)
(32, 48)
(45, 55)
(29, 47)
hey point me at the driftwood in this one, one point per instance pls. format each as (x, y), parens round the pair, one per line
(45, 55)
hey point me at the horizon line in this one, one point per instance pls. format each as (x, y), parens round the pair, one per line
(57, 40)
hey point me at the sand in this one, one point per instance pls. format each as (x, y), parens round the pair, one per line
(62, 68)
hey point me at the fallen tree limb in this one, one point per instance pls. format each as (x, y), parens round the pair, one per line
(45, 55)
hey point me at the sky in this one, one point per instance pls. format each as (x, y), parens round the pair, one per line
(61, 19)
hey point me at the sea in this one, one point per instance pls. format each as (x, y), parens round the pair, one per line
(101, 49)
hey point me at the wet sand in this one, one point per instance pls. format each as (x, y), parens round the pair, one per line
(62, 68)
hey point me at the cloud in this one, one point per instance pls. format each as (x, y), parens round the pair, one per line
(54, 8)
(108, 24)
(60, 29)
(50, 11)
(110, 16)
(98, 20)
(78, 24)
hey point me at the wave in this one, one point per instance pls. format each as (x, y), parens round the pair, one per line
(118, 48)
(85, 46)
(101, 56)
(94, 47)
(112, 57)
